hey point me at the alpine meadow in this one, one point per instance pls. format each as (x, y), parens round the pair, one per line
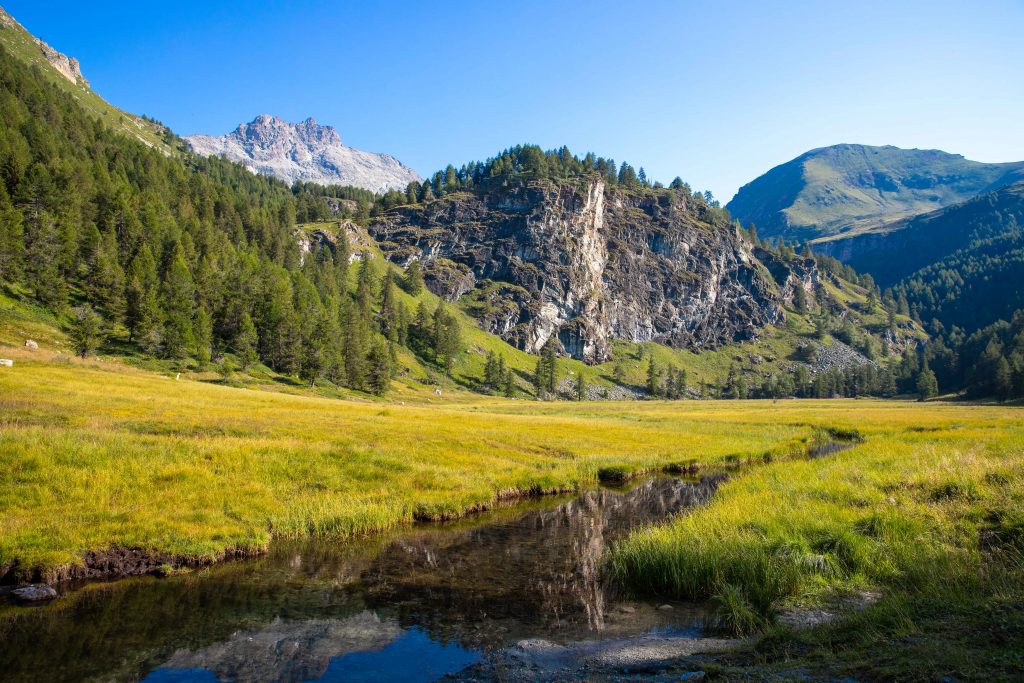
(277, 408)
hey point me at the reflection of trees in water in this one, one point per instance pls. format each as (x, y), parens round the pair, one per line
(539, 574)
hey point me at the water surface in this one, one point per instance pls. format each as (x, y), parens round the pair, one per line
(411, 605)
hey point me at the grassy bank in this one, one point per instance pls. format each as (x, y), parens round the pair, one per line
(929, 510)
(98, 455)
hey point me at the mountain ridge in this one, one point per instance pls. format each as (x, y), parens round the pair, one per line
(851, 189)
(306, 151)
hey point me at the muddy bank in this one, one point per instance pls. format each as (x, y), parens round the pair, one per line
(118, 562)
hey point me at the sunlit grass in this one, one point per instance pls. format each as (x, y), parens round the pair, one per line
(927, 505)
(98, 454)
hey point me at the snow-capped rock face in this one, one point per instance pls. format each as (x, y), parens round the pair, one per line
(304, 151)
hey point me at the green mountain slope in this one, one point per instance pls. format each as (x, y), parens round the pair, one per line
(972, 258)
(22, 45)
(852, 189)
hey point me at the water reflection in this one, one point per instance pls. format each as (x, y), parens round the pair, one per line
(432, 599)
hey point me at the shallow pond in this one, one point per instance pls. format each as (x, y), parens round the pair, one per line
(410, 605)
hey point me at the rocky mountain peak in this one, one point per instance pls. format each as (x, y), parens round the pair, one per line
(307, 151)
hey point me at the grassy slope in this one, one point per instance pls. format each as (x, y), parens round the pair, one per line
(852, 189)
(21, 44)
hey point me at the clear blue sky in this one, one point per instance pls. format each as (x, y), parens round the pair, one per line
(716, 92)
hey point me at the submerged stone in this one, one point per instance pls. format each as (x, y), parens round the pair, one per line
(34, 593)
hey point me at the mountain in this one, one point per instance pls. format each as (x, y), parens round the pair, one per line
(852, 189)
(304, 151)
(66, 73)
(585, 263)
(185, 262)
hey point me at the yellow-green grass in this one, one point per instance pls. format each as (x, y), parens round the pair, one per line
(928, 509)
(96, 454)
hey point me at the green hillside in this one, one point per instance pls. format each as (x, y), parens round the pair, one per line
(22, 45)
(852, 189)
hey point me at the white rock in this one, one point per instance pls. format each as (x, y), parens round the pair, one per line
(304, 151)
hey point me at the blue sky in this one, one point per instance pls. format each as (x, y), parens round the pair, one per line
(715, 92)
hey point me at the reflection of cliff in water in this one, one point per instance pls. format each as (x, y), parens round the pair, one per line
(535, 575)
(288, 651)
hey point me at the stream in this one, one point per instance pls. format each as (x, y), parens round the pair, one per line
(416, 604)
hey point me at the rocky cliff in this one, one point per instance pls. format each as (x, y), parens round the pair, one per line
(587, 264)
(304, 151)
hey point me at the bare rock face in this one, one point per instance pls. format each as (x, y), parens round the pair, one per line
(68, 67)
(304, 151)
(585, 264)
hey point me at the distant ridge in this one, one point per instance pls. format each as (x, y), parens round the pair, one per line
(306, 151)
(852, 189)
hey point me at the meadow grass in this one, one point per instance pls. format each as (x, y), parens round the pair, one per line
(98, 454)
(928, 509)
(927, 505)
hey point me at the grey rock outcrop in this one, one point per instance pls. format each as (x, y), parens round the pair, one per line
(587, 264)
(304, 151)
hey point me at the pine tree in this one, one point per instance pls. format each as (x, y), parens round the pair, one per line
(12, 239)
(618, 371)
(246, 342)
(366, 286)
(421, 334)
(447, 338)
(1002, 379)
(412, 282)
(388, 316)
(653, 378)
(178, 293)
(378, 368)
(508, 383)
(492, 371)
(927, 385)
(86, 331)
(142, 279)
(316, 360)
(581, 387)
(800, 299)
(355, 333)
(203, 327)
